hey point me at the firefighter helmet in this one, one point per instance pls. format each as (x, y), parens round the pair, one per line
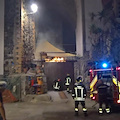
(3, 84)
(79, 79)
(68, 74)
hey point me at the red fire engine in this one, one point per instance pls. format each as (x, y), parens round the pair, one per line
(111, 77)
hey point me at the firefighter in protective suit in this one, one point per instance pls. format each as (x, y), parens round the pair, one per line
(79, 95)
(103, 96)
(68, 81)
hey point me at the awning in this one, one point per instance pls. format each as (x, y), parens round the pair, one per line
(51, 50)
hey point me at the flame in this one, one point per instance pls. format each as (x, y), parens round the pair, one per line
(56, 59)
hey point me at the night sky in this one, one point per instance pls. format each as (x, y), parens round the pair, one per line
(57, 18)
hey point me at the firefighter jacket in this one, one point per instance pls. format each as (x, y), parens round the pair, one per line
(102, 89)
(56, 85)
(68, 80)
(103, 92)
(79, 92)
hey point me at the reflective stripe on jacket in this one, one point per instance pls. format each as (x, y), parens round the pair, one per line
(79, 92)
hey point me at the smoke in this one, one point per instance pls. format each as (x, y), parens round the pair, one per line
(43, 38)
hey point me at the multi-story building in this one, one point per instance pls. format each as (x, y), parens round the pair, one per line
(72, 25)
(19, 35)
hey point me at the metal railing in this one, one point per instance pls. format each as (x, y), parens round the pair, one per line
(14, 85)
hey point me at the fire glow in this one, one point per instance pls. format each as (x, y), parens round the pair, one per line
(56, 59)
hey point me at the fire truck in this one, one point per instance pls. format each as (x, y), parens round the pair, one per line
(111, 77)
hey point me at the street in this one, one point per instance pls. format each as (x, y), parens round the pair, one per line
(60, 109)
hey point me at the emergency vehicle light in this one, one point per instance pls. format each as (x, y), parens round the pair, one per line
(93, 97)
(118, 101)
(103, 69)
(90, 70)
(118, 68)
(104, 65)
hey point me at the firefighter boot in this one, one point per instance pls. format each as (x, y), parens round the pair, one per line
(76, 111)
(85, 112)
(100, 111)
(107, 110)
(68, 90)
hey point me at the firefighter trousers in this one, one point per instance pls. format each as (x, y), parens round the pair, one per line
(101, 103)
(106, 102)
(68, 88)
(83, 106)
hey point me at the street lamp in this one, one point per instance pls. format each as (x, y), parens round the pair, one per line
(34, 8)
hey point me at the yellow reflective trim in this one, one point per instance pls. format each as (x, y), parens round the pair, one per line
(84, 109)
(117, 83)
(108, 110)
(76, 109)
(100, 109)
(91, 89)
(91, 95)
(92, 85)
(73, 94)
(93, 82)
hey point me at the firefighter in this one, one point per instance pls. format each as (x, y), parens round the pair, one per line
(68, 81)
(102, 96)
(79, 95)
(57, 84)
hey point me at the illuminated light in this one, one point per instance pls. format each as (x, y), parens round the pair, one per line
(118, 101)
(34, 8)
(90, 70)
(105, 65)
(93, 97)
(118, 68)
(62, 58)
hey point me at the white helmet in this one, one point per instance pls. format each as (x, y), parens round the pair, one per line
(3, 84)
